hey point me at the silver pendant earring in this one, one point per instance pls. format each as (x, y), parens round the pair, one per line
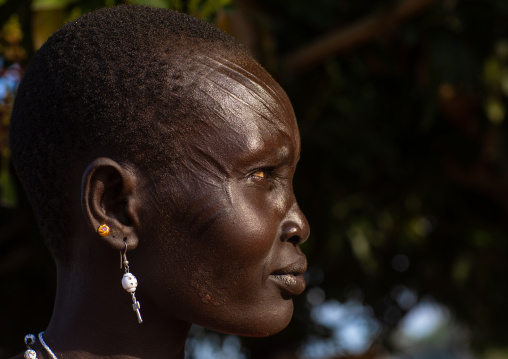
(129, 283)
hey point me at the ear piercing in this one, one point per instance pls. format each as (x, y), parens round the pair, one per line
(103, 230)
(129, 283)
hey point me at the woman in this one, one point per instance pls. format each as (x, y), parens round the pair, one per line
(151, 134)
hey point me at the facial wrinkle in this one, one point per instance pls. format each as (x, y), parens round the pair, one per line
(281, 102)
(244, 72)
(233, 93)
(232, 96)
(263, 86)
(245, 85)
(230, 107)
(238, 111)
(237, 129)
(206, 167)
(213, 163)
(219, 115)
(241, 91)
(248, 86)
(205, 174)
(228, 104)
(229, 135)
(270, 87)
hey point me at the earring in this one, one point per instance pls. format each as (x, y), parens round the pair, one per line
(103, 230)
(129, 283)
(30, 353)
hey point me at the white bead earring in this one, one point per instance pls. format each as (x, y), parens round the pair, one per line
(30, 353)
(129, 283)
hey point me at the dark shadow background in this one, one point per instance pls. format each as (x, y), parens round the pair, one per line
(403, 175)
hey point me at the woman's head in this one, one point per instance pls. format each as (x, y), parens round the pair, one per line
(114, 82)
(163, 127)
(237, 227)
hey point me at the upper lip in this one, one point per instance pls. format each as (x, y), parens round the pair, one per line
(295, 268)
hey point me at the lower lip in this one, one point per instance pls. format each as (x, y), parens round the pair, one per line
(291, 284)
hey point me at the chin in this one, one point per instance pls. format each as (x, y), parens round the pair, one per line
(262, 322)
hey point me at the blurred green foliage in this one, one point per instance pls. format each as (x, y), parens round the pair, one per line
(404, 153)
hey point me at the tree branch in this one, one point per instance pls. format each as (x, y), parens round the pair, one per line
(361, 32)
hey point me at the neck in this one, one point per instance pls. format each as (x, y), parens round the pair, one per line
(93, 318)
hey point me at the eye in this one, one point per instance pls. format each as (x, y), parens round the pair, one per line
(261, 174)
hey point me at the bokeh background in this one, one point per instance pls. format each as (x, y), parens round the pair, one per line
(403, 175)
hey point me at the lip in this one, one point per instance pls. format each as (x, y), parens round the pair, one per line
(290, 278)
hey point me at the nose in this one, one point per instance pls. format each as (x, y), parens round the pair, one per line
(295, 228)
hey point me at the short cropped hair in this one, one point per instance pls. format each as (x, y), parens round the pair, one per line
(116, 82)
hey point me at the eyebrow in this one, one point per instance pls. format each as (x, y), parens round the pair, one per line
(273, 157)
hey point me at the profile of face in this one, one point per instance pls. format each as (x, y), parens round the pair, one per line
(222, 240)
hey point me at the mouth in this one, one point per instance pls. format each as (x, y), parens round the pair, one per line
(290, 278)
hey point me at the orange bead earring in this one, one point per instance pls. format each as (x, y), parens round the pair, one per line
(103, 230)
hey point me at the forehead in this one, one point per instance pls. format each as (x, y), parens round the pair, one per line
(243, 98)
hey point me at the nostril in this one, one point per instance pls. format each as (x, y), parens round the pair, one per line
(292, 233)
(296, 240)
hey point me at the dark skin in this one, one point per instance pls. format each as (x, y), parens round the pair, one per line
(216, 245)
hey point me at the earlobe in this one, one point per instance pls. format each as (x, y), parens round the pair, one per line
(108, 196)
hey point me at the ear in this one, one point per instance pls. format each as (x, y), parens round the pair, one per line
(109, 196)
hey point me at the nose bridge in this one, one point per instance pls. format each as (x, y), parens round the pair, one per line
(295, 227)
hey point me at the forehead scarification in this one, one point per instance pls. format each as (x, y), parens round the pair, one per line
(236, 86)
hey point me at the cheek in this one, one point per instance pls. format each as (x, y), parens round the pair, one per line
(222, 245)
(233, 248)
(251, 224)
(213, 285)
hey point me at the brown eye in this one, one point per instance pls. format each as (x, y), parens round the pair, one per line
(260, 174)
